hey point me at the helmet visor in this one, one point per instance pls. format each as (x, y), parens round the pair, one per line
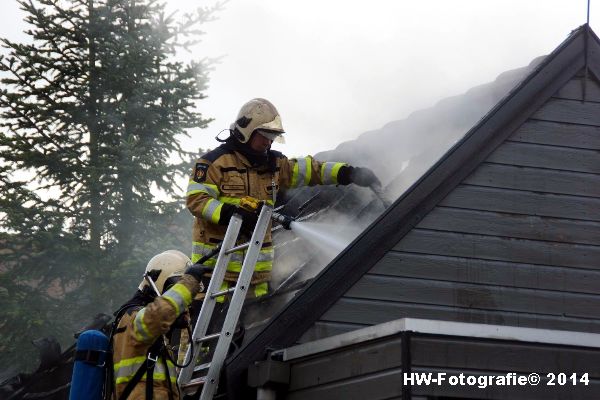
(272, 135)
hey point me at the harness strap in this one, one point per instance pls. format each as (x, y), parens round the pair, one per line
(150, 380)
(155, 351)
(167, 375)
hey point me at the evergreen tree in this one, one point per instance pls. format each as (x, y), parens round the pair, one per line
(90, 113)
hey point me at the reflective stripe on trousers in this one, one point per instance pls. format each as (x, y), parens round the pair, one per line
(258, 290)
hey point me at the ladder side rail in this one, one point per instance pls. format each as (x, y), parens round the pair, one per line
(236, 303)
(208, 304)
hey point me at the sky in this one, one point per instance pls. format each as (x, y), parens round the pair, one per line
(338, 68)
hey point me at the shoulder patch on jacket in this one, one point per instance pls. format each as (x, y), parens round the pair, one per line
(213, 155)
(200, 172)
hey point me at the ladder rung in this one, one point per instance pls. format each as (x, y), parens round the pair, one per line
(208, 337)
(202, 367)
(222, 292)
(192, 384)
(236, 248)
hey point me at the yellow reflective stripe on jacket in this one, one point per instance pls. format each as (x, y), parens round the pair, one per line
(125, 370)
(329, 172)
(140, 330)
(230, 200)
(179, 296)
(264, 261)
(302, 172)
(235, 201)
(195, 187)
(212, 211)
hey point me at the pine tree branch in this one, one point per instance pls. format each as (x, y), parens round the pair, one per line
(66, 17)
(31, 124)
(57, 48)
(20, 78)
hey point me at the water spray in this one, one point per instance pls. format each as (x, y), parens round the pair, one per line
(378, 191)
(322, 236)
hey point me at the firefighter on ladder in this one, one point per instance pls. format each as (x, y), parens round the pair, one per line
(244, 171)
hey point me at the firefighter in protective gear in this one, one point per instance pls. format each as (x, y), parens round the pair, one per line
(142, 368)
(245, 165)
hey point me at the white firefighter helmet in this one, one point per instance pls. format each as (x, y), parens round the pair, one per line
(258, 115)
(165, 265)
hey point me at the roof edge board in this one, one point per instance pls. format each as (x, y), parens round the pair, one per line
(301, 312)
(594, 55)
(443, 328)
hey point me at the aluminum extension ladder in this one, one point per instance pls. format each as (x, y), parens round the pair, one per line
(210, 381)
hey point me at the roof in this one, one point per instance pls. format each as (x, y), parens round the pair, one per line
(285, 328)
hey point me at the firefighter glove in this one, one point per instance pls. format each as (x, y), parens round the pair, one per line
(249, 210)
(363, 176)
(249, 219)
(251, 204)
(199, 271)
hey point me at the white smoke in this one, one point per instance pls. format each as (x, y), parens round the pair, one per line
(400, 153)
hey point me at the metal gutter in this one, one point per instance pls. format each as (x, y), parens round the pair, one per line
(445, 328)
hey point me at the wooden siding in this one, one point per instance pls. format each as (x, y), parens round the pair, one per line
(570, 111)
(558, 134)
(484, 357)
(374, 357)
(573, 90)
(374, 369)
(517, 242)
(535, 179)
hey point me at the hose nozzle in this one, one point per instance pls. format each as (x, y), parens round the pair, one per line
(284, 220)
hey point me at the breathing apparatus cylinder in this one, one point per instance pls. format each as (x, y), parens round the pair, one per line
(90, 366)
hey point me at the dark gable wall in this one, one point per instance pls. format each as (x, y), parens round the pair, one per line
(516, 243)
